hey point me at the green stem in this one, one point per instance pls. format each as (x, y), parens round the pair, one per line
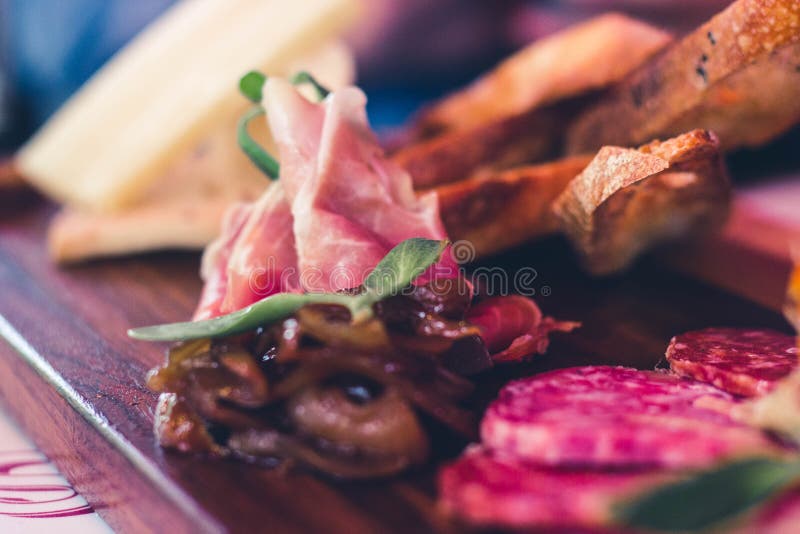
(260, 157)
(251, 86)
(304, 77)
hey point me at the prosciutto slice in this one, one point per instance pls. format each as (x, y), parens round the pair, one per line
(253, 257)
(350, 204)
(513, 328)
(264, 260)
(214, 267)
(337, 209)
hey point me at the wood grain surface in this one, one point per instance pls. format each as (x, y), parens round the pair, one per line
(75, 382)
(752, 256)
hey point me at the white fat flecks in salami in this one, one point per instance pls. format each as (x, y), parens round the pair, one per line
(617, 416)
(742, 362)
(491, 489)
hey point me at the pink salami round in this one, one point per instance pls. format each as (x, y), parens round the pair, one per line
(742, 362)
(490, 489)
(617, 416)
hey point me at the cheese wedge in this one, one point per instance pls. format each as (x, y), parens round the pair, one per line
(160, 95)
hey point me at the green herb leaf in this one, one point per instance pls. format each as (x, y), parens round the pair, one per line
(709, 497)
(260, 157)
(304, 77)
(401, 266)
(266, 311)
(251, 85)
(395, 271)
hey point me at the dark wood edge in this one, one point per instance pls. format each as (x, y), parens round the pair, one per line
(757, 275)
(154, 502)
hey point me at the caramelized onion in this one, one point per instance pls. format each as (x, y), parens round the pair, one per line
(333, 434)
(177, 426)
(448, 298)
(208, 388)
(324, 457)
(179, 358)
(467, 356)
(405, 371)
(341, 397)
(436, 394)
(249, 389)
(385, 426)
(336, 331)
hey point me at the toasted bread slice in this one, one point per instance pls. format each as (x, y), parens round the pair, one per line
(578, 59)
(78, 236)
(517, 113)
(737, 75)
(494, 211)
(183, 210)
(751, 106)
(626, 199)
(500, 144)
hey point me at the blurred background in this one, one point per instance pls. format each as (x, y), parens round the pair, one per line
(407, 51)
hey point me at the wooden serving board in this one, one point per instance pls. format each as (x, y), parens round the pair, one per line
(75, 382)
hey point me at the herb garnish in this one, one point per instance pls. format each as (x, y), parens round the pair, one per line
(394, 272)
(260, 157)
(251, 85)
(710, 497)
(304, 77)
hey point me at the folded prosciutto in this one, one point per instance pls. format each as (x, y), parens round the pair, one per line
(337, 209)
(214, 267)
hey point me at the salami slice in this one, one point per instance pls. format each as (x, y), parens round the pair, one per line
(491, 489)
(617, 416)
(742, 362)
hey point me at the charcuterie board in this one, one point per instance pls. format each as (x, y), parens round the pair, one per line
(75, 382)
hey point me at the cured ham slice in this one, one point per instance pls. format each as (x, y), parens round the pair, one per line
(350, 204)
(214, 267)
(264, 260)
(337, 209)
(253, 258)
(513, 328)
